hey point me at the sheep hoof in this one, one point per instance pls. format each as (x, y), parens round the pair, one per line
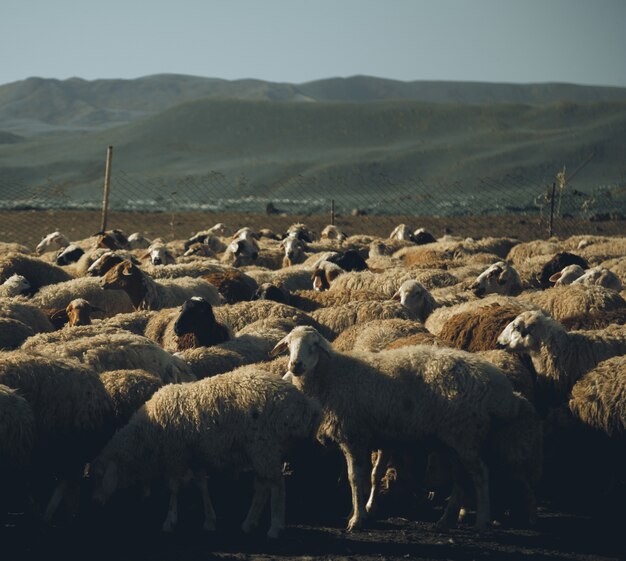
(354, 524)
(274, 533)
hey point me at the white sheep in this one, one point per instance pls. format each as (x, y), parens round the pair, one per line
(149, 294)
(401, 232)
(52, 242)
(561, 357)
(499, 278)
(600, 276)
(114, 350)
(36, 271)
(294, 249)
(15, 285)
(159, 254)
(372, 399)
(567, 275)
(236, 421)
(138, 241)
(58, 296)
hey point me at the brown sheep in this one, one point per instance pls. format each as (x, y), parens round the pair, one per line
(233, 285)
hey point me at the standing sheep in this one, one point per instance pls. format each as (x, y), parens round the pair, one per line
(370, 400)
(236, 421)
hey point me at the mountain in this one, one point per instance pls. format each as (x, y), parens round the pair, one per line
(280, 148)
(39, 106)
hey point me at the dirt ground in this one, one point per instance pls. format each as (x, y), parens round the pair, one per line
(29, 227)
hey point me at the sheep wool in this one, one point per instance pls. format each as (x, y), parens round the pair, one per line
(239, 421)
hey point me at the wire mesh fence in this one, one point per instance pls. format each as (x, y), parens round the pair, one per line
(362, 203)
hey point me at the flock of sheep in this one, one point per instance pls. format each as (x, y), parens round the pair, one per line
(450, 366)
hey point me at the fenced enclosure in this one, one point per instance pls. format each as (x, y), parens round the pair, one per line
(175, 208)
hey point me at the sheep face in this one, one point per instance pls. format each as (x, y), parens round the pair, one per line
(401, 232)
(294, 249)
(137, 241)
(124, 276)
(324, 274)
(499, 278)
(194, 312)
(55, 240)
(70, 254)
(159, 255)
(567, 275)
(79, 312)
(527, 332)
(103, 264)
(243, 251)
(18, 285)
(415, 297)
(304, 344)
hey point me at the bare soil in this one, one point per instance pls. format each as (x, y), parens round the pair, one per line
(29, 227)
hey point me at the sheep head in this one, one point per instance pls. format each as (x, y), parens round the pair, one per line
(499, 278)
(54, 240)
(304, 344)
(414, 296)
(194, 312)
(528, 331)
(18, 285)
(158, 254)
(567, 275)
(128, 277)
(79, 312)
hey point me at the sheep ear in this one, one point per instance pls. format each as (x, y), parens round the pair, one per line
(556, 276)
(501, 278)
(324, 345)
(397, 296)
(332, 275)
(280, 346)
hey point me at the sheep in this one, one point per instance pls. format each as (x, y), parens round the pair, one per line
(52, 242)
(197, 427)
(148, 294)
(375, 335)
(422, 237)
(68, 255)
(197, 250)
(567, 275)
(332, 232)
(558, 263)
(337, 319)
(401, 232)
(600, 276)
(274, 292)
(37, 272)
(324, 274)
(294, 250)
(195, 319)
(25, 313)
(17, 432)
(311, 300)
(13, 333)
(238, 315)
(478, 329)
(112, 239)
(560, 358)
(138, 241)
(499, 278)
(106, 260)
(195, 268)
(128, 390)
(250, 345)
(562, 302)
(58, 296)
(208, 239)
(608, 249)
(300, 232)
(595, 320)
(296, 277)
(72, 411)
(159, 254)
(77, 312)
(369, 400)
(598, 399)
(522, 252)
(114, 350)
(15, 285)
(233, 285)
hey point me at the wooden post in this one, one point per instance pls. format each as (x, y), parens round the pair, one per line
(551, 229)
(107, 183)
(332, 212)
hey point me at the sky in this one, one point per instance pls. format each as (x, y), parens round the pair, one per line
(521, 41)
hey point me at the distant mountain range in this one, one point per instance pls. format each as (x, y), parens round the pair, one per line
(174, 126)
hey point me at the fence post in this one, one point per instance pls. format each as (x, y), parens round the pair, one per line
(107, 183)
(551, 229)
(332, 212)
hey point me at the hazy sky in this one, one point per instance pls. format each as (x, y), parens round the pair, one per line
(296, 41)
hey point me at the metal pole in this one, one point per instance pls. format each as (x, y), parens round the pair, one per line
(107, 184)
(332, 212)
(551, 231)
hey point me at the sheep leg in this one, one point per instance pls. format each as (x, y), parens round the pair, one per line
(449, 516)
(355, 460)
(277, 507)
(381, 460)
(209, 513)
(53, 504)
(172, 514)
(261, 491)
(479, 474)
